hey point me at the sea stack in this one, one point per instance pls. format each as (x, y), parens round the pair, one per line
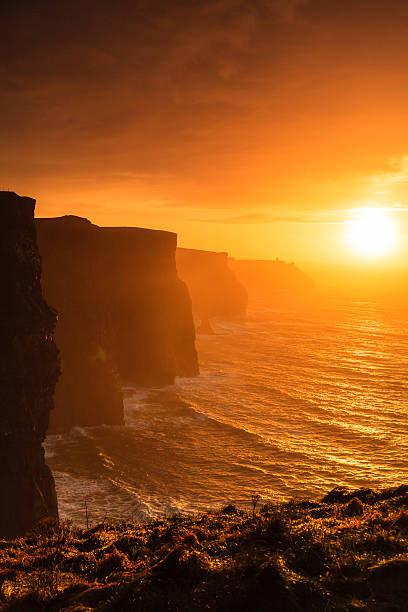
(29, 370)
(125, 318)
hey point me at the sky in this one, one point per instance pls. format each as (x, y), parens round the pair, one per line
(256, 127)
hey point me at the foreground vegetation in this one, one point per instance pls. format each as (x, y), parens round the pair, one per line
(348, 552)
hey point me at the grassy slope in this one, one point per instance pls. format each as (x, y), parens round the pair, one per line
(349, 552)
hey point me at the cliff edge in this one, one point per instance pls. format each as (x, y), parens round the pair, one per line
(125, 316)
(272, 278)
(29, 370)
(347, 552)
(214, 288)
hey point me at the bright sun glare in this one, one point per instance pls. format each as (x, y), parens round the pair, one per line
(372, 233)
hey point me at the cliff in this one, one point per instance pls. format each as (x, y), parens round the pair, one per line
(273, 278)
(88, 392)
(29, 369)
(153, 336)
(125, 316)
(214, 287)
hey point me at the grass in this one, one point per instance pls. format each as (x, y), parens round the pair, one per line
(347, 552)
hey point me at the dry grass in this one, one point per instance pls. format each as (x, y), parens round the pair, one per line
(349, 552)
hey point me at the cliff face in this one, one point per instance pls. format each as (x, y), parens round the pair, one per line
(152, 329)
(272, 278)
(214, 288)
(124, 315)
(29, 370)
(74, 270)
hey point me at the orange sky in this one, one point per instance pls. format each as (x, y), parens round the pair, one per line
(249, 126)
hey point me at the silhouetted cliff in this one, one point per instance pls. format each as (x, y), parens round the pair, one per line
(29, 370)
(274, 278)
(214, 287)
(153, 336)
(74, 267)
(347, 553)
(124, 315)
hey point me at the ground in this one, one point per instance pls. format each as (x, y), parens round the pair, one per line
(347, 552)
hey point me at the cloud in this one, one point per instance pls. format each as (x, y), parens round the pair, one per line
(208, 104)
(396, 172)
(260, 218)
(320, 217)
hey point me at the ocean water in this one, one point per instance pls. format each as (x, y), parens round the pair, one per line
(290, 403)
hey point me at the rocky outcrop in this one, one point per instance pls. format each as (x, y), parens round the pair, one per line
(125, 316)
(272, 278)
(205, 327)
(29, 369)
(214, 288)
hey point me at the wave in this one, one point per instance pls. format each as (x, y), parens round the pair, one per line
(287, 404)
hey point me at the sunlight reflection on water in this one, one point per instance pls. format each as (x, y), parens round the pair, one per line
(288, 404)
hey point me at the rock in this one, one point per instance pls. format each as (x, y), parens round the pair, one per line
(205, 327)
(365, 495)
(125, 316)
(215, 290)
(230, 509)
(341, 495)
(393, 492)
(29, 370)
(354, 508)
(338, 495)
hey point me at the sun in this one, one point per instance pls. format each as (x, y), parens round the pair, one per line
(372, 233)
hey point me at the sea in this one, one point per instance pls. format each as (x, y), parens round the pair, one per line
(291, 402)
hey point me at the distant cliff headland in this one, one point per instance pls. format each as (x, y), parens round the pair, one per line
(124, 315)
(29, 370)
(272, 279)
(213, 285)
